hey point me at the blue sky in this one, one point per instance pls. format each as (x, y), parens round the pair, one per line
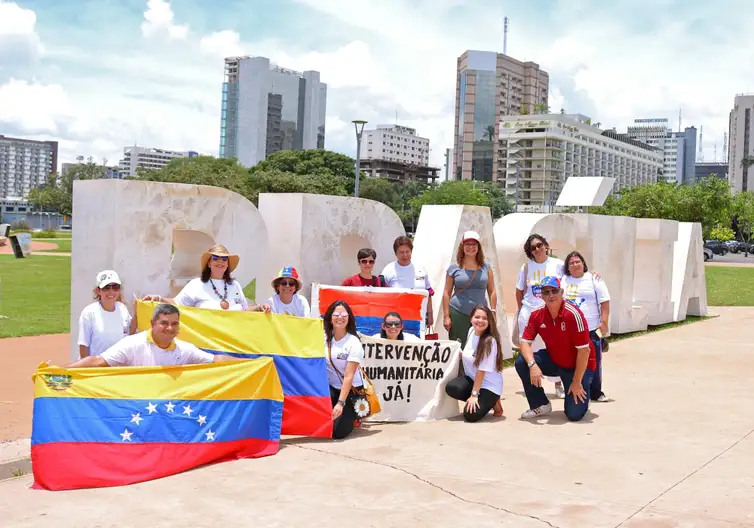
(98, 75)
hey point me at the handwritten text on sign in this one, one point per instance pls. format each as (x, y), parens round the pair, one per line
(410, 377)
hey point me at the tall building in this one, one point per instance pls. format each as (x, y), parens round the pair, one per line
(678, 148)
(25, 164)
(146, 158)
(707, 169)
(395, 143)
(741, 146)
(539, 153)
(266, 108)
(490, 85)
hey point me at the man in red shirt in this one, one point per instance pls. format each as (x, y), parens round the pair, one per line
(364, 277)
(569, 353)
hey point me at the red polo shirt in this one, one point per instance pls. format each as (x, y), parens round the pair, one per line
(563, 335)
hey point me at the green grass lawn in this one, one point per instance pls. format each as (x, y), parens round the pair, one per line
(729, 286)
(34, 295)
(64, 246)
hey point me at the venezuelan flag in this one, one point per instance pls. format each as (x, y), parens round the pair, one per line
(370, 305)
(95, 427)
(295, 343)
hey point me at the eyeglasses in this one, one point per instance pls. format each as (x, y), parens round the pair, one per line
(340, 316)
(392, 324)
(288, 283)
(217, 257)
(114, 287)
(538, 245)
(549, 291)
(367, 261)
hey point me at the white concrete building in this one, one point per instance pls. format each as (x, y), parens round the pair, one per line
(395, 143)
(147, 159)
(678, 148)
(741, 146)
(537, 153)
(25, 164)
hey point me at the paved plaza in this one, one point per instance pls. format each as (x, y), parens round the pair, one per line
(675, 448)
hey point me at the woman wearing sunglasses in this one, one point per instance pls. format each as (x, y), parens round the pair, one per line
(365, 257)
(392, 328)
(287, 300)
(107, 321)
(215, 288)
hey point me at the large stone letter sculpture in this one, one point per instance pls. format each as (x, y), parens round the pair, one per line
(437, 237)
(320, 235)
(653, 270)
(153, 234)
(689, 292)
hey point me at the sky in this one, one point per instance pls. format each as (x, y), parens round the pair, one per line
(99, 75)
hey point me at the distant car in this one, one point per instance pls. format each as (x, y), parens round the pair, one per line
(64, 227)
(717, 247)
(707, 254)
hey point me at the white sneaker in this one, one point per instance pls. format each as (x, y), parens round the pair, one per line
(536, 413)
(559, 391)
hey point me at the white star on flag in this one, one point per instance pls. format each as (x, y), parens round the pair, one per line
(136, 418)
(202, 420)
(151, 407)
(187, 410)
(210, 435)
(126, 435)
(169, 406)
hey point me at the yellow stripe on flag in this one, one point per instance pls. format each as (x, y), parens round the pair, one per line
(244, 379)
(245, 332)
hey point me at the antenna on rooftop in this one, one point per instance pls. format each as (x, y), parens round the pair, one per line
(725, 147)
(700, 156)
(679, 120)
(505, 35)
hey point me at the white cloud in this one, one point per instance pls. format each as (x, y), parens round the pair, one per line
(19, 42)
(221, 44)
(158, 20)
(37, 108)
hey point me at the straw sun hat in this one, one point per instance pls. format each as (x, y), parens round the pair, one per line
(220, 251)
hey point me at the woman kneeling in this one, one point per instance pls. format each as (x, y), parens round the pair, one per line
(482, 384)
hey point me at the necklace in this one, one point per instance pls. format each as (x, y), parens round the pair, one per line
(224, 304)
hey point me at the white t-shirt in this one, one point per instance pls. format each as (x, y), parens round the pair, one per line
(413, 276)
(581, 292)
(341, 352)
(201, 295)
(532, 295)
(298, 306)
(100, 329)
(493, 379)
(139, 350)
(406, 337)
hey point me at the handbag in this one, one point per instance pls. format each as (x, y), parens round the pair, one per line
(365, 400)
(604, 343)
(516, 335)
(431, 335)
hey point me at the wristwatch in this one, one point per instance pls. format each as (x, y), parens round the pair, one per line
(531, 363)
(475, 394)
(342, 403)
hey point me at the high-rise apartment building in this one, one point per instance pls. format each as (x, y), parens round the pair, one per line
(395, 143)
(266, 108)
(539, 153)
(146, 159)
(25, 164)
(741, 146)
(490, 85)
(678, 148)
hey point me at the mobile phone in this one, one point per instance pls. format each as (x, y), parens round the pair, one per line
(599, 333)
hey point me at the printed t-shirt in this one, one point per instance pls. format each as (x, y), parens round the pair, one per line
(341, 352)
(587, 293)
(493, 379)
(201, 295)
(413, 276)
(532, 295)
(100, 329)
(562, 336)
(140, 350)
(298, 306)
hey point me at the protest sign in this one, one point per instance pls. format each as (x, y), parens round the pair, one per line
(410, 378)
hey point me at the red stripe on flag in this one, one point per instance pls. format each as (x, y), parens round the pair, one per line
(307, 416)
(74, 465)
(373, 304)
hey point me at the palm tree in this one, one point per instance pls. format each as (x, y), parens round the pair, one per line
(490, 132)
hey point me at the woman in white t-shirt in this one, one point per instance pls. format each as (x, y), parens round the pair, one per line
(392, 328)
(590, 294)
(482, 382)
(215, 288)
(287, 300)
(107, 321)
(344, 355)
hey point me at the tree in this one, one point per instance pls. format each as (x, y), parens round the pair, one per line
(381, 190)
(56, 195)
(203, 170)
(499, 204)
(743, 209)
(721, 233)
(308, 162)
(542, 108)
(466, 192)
(489, 132)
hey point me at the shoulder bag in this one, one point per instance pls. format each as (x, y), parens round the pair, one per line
(604, 343)
(365, 400)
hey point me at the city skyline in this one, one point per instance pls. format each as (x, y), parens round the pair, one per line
(156, 77)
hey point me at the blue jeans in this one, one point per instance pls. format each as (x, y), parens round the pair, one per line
(574, 410)
(596, 387)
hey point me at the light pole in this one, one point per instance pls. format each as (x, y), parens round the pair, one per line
(358, 126)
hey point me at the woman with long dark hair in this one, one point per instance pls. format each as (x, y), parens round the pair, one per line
(392, 328)
(344, 355)
(482, 382)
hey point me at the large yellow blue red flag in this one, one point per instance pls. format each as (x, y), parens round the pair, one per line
(295, 343)
(96, 427)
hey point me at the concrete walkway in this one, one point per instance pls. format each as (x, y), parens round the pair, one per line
(676, 448)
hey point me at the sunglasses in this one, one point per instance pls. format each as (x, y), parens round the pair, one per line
(288, 283)
(549, 291)
(367, 261)
(217, 257)
(114, 287)
(537, 246)
(392, 324)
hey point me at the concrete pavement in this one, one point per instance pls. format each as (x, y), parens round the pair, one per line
(676, 448)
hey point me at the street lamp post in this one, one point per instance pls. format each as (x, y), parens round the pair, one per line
(358, 126)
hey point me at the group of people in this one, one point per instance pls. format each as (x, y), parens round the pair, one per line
(551, 296)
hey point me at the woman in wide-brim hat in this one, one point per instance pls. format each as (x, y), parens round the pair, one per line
(287, 300)
(215, 288)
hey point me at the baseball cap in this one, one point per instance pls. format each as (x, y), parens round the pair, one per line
(107, 277)
(471, 235)
(550, 281)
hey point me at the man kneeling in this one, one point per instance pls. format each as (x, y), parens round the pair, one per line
(155, 347)
(569, 353)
